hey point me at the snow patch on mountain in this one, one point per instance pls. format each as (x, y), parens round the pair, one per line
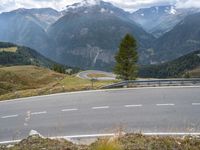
(171, 10)
(84, 3)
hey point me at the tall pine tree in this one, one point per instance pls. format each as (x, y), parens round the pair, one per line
(126, 59)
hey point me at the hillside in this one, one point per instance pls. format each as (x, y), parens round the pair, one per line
(182, 39)
(23, 28)
(160, 19)
(24, 81)
(26, 77)
(11, 54)
(180, 67)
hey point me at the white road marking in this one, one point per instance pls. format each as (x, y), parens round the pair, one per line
(171, 133)
(197, 104)
(38, 113)
(10, 116)
(102, 107)
(128, 106)
(165, 104)
(73, 109)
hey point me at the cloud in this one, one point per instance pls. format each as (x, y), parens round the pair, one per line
(130, 5)
(8, 5)
(188, 4)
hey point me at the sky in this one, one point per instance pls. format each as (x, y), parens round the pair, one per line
(128, 5)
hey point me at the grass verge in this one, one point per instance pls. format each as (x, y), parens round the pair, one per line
(126, 142)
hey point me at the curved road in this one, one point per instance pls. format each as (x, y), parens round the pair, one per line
(167, 109)
(108, 75)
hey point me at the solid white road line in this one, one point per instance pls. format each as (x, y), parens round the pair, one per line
(10, 116)
(171, 133)
(196, 104)
(101, 107)
(38, 113)
(165, 104)
(128, 106)
(66, 110)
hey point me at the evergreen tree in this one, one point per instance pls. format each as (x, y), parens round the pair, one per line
(126, 59)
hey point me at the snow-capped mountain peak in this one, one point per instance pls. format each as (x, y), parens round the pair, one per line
(84, 3)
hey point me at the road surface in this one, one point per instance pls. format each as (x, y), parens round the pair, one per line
(166, 109)
(108, 75)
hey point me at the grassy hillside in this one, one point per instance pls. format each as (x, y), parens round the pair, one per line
(23, 81)
(181, 67)
(26, 77)
(11, 55)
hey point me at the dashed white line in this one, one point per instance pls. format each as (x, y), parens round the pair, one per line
(38, 113)
(165, 104)
(66, 110)
(101, 107)
(10, 116)
(128, 106)
(196, 104)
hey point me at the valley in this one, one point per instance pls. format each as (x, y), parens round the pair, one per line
(99, 75)
(87, 36)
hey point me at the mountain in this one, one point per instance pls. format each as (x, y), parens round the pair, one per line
(12, 55)
(182, 39)
(188, 63)
(88, 36)
(160, 19)
(42, 16)
(23, 28)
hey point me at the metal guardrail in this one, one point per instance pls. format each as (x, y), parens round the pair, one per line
(155, 83)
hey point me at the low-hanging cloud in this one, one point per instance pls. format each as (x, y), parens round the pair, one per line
(130, 5)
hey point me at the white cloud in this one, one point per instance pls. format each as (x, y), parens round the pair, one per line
(188, 4)
(135, 4)
(7, 5)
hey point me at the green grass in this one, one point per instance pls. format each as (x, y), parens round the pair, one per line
(25, 81)
(106, 144)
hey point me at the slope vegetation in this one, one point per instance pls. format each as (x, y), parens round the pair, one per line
(182, 39)
(24, 81)
(177, 68)
(26, 77)
(11, 54)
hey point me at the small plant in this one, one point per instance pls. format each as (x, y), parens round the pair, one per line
(107, 144)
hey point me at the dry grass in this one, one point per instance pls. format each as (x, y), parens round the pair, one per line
(126, 142)
(106, 144)
(25, 81)
(10, 49)
(195, 73)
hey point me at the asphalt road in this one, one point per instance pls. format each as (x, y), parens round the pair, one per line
(170, 109)
(108, 75)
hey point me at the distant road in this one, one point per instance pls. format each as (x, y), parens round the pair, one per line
(166, 109)
(108, 75)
